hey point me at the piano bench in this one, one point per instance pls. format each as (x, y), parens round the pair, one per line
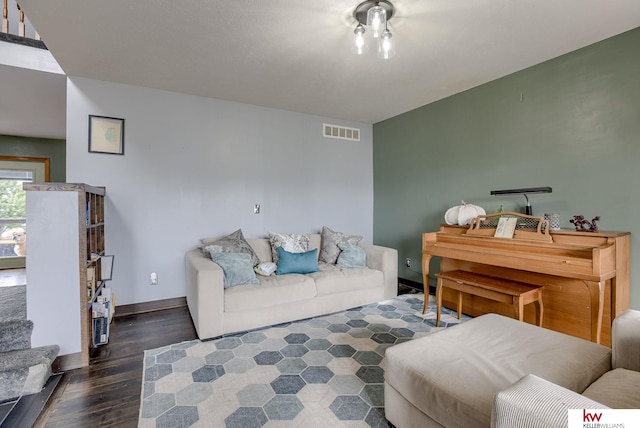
(502, 290)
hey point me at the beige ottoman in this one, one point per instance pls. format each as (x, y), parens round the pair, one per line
(449, 378)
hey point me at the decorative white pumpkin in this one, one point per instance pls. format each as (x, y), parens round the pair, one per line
(463, 214)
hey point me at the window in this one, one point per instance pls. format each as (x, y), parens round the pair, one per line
(13, 228)
(13, 216)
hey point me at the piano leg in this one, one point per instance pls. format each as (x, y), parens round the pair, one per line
(438, 301)
(425, 282)
(519, 308)
(539, 310)
(596, 294)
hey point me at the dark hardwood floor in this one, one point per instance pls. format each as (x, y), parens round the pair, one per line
(107, 393)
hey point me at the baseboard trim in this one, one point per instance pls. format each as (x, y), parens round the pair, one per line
(156, 305)
(67, 362)
(416, 284)
(73, 361)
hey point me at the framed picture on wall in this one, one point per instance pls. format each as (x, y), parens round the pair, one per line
(106, 135)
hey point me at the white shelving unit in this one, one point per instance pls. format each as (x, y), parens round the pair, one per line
(65, 239)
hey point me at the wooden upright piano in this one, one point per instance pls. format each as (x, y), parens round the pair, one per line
(585, 276)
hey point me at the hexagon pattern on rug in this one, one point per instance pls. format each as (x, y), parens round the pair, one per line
(323, 370)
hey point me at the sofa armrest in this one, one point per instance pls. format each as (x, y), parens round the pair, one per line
(205, 294)
(533, 402)
(625, 341)
(386, 260)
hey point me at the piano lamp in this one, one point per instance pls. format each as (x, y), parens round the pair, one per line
(525, 192)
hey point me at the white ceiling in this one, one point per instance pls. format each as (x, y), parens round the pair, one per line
(295, 55)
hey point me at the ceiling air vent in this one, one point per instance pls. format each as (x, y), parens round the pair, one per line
(341, 132)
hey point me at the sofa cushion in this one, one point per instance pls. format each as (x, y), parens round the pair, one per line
(288, 262)
(262, 248)
(294, 243)
(237, 268)
(351, 256)
(272, 291)
(329, 249)
(233, 243)
(332, 281)
(618, 389)
(453, 374)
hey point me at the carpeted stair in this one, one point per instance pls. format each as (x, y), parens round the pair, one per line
(23, 370)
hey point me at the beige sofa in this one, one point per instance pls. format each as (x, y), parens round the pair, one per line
(460, 376)
(280, 298)
(520, 404)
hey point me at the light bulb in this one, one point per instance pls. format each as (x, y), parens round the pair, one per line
(386, 49)
(360, 45)
(377, 19)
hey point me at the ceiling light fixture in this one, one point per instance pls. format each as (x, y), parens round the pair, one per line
(374, 15)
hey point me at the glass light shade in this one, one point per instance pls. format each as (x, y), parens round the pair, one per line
(377, 19)
(386, 48)
(360, 44)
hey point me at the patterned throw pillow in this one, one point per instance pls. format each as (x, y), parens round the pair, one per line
(233, 243)
(294, 243)
(329, 249)
(237, 268)
(351, 256)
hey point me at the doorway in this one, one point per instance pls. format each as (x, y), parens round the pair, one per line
(14, 171)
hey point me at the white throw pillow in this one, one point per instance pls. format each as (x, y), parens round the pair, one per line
(293, 243)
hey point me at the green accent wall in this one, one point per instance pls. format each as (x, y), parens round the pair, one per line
(53, 149)
(572, 123)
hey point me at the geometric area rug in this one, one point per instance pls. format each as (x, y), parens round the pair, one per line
(320, 372)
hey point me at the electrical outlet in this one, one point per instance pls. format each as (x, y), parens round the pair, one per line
(153, 278)
(407, 262)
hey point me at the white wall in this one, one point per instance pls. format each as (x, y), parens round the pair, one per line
(52, 292)
(194, 167)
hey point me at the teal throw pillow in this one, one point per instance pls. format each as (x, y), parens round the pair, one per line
(306, 262)
(237, 268)
(351, 256)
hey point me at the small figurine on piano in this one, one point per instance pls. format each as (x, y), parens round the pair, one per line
(583, 225)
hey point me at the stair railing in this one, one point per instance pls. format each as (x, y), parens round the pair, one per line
(14, 12)
(5, 18)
